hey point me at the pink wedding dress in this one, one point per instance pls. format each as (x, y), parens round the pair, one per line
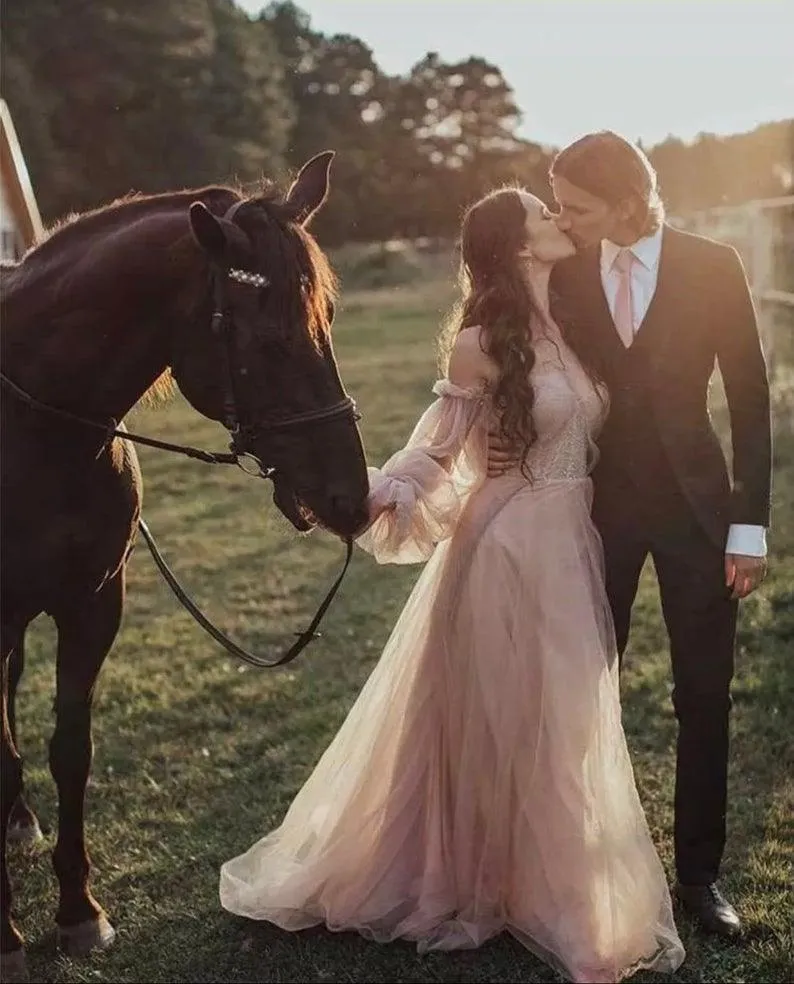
(481, 782)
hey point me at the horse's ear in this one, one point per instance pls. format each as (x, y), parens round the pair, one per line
(310, 189)
(208, 230)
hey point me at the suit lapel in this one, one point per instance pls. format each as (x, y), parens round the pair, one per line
(659, 319)
(594, 301)
(583, 282)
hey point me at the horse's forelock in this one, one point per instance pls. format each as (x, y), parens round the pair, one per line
(295, 263)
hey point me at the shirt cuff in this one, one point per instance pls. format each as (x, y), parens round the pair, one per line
(749, 541)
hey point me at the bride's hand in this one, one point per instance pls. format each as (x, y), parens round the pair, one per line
(375, 511)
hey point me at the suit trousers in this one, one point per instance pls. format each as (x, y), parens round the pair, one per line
(700, 617)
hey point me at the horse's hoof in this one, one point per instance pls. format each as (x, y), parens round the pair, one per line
(80, 940)
(24, 832)
(13, 967)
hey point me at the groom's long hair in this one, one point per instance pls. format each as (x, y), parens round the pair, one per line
(615, 170)
(496, 296)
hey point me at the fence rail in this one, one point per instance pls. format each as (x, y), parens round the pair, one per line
(762, 232)
(20, 222)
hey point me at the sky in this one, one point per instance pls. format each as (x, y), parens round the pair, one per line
(647, 68)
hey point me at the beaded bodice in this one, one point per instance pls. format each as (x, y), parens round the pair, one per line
(568, 413)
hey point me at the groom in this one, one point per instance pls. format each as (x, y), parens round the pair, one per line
(654, 307)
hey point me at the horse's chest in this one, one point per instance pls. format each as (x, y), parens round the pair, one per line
(67, 532)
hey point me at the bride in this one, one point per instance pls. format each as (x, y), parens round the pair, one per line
(481, 782)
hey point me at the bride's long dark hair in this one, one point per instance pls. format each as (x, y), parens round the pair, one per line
(497, 297)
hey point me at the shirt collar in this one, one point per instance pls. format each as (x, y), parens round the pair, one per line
(647, 250)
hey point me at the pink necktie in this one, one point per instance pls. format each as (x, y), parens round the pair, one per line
(624, 317)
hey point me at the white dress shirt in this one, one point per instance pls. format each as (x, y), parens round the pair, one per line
(743, 538)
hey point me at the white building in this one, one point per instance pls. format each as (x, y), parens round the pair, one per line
(20, 221)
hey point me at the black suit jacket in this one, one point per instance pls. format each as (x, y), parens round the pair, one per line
(701, 312)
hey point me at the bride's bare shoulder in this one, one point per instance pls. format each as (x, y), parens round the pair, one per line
(469, 362)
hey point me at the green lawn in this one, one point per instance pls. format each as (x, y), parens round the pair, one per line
(197, 756)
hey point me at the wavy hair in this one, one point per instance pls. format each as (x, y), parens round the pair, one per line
(497, 297)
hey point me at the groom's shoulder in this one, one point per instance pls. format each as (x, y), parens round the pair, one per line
(568, 272)
(699, 245)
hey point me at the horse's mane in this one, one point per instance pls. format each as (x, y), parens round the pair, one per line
(76, 225)
(296, 265)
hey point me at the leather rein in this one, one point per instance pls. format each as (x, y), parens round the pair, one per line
(222, 328)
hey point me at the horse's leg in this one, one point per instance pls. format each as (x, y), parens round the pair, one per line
(85, 634)
(23, 827)
(12, 954)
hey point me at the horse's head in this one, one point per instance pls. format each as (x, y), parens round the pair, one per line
(265, 366)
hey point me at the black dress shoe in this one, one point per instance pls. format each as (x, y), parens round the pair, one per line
(710, 908)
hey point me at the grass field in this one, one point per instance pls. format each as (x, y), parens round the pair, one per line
(197, 756)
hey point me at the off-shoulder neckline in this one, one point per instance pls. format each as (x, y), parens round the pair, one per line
(445, 387)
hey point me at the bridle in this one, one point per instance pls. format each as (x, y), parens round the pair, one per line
(245, 432)
(242, 434)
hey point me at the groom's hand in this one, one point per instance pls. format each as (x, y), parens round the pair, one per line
(501, 457)
(744, 574)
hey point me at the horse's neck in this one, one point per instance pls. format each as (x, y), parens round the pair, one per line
(89, 326)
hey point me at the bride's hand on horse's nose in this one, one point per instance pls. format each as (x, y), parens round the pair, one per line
(374, 513)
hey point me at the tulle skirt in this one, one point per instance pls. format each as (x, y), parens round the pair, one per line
(481, 782)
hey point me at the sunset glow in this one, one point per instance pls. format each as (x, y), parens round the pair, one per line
(644, 67)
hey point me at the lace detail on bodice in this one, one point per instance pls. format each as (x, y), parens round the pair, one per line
(568, 414)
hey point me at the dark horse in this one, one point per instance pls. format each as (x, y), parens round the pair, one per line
(91, 320)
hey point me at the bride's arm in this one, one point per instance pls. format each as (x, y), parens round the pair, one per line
(469, 365)
(469, 371)
(416, 497)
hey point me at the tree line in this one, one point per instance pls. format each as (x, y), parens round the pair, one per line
(110, 97)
